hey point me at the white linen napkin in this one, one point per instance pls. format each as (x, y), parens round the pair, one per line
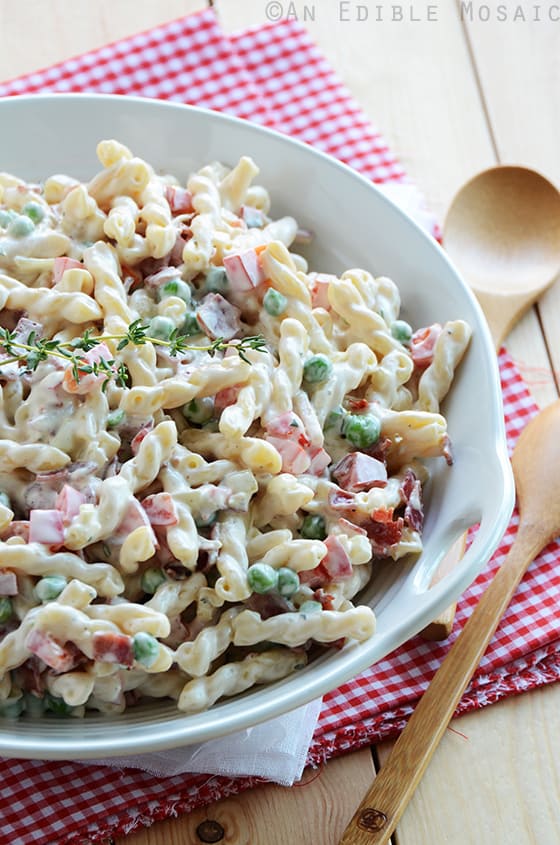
(275, 750)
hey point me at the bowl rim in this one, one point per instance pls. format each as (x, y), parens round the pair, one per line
(284, 696)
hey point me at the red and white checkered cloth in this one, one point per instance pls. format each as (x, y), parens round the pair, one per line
(274, 75)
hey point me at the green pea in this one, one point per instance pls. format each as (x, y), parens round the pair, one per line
(275, 303)
(6, 217)
(335, 419)
(216, 281)
(161, 328)
(6, 609)
(115, 418)
(317, 369)
(401, 331)
(50, 587)
(145, 648)
(262, 578)
(206, 521)
(175, 287)
(5, 499)
(34, 211)
(21, 226)
(199, 411)
(57, 706)
(313, 527)
(361, 430)
(151, 579)
(288, 581)
(190, 326)
(310, 607)
(12, 708)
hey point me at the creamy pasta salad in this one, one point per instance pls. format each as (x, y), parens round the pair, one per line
(204, 446)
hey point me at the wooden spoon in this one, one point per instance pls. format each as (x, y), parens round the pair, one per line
(503, 232)
(535, 467)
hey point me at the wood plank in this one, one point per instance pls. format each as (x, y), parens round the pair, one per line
(315, 811)
(481, 785)
(432, 119)
(518, 63)
(38, 33)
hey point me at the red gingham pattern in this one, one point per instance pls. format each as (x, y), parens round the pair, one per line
(275, 75)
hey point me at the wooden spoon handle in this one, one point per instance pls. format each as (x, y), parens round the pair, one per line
(378, 814)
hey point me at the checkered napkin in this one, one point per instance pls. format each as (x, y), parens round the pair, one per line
(276, 76)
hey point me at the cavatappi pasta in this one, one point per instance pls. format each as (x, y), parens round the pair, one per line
(202, 524)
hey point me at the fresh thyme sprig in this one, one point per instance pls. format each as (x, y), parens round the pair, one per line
(38, 349)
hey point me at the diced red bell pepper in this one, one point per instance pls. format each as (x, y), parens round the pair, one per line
(47, 527)
(160, 509)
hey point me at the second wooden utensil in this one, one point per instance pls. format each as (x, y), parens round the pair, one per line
(535, 465)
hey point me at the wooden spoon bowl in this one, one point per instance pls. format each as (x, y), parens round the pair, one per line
(503, 231)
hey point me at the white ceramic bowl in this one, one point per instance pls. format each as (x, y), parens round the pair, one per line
(355, 226)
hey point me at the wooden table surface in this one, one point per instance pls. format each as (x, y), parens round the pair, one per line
(453, 94)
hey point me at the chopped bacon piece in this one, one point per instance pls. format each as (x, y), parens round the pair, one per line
(68, 503)
(357, 471)
(179, 199)
(62, 264)
(176, 254)
(30, 676)
(8, 583)
(218, 318)
(324, 599)
(46, 526)
(131, 278)
(60, 657)
(160, 509)
(294, 457)
(349, 528)
(87, 381)
(140, 435)
(336, 562)
(341, 500)
(384, 531)
(411, 493)
(111, 647)
(244, 271)
(17, 528)
(422, 345)
(268, 604)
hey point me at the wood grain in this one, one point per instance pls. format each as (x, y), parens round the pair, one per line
(314, 812)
